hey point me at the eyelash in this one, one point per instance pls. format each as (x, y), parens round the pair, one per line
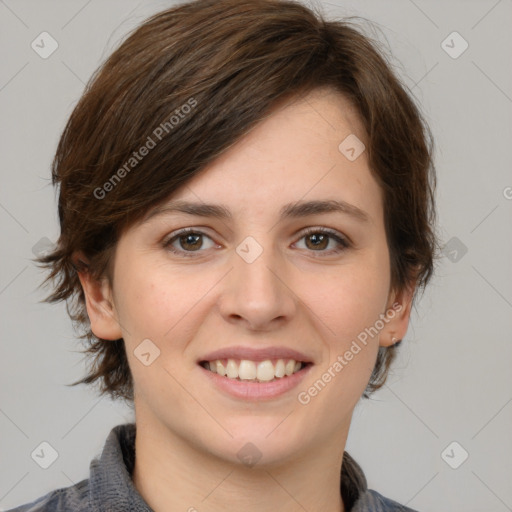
(343, 242)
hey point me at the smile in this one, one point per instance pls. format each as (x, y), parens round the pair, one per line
(254, 371)
(254, 380)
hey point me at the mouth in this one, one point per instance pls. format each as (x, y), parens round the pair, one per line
(256, 381)
(246, 370)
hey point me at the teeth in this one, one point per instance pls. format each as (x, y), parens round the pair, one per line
(263, 371)
(280, 369)
(247, 370)
(232, 369)
(221, 370)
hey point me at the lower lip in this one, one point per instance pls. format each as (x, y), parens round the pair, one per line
(256, 390)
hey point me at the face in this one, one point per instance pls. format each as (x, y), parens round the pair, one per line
(310, 282)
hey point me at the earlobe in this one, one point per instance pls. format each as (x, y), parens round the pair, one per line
(100, 306)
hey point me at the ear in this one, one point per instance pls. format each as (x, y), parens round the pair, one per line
(99, 303)
(398, 311)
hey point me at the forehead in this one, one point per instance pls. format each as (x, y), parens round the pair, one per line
(293, 153)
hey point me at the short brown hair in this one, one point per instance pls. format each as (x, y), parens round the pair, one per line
(231, 62)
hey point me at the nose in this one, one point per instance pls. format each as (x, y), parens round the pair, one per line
(257, 292)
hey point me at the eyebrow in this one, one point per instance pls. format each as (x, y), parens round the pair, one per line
(292, 210)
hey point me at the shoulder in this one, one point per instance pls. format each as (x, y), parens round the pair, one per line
(68, 499)
(372, 501)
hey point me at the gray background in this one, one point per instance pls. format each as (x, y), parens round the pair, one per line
(452, 381)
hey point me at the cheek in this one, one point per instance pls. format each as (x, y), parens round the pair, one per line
(352, 297)
(155, 307)
(349, 303)
(158, 302)
(143, 299)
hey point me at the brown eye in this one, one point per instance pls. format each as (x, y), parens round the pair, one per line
(190, 241)
(317, 240)
(186, 241)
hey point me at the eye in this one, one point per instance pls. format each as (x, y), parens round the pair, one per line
(189, 240)
(317, 239)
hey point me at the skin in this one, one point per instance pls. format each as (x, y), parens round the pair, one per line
(294, 295)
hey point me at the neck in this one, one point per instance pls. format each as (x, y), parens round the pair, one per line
(172, 474)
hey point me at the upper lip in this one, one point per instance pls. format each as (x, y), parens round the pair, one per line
(256, 354)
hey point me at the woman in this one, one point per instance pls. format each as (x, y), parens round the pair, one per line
(247, 214)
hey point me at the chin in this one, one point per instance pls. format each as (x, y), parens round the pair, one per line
(257, 441)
